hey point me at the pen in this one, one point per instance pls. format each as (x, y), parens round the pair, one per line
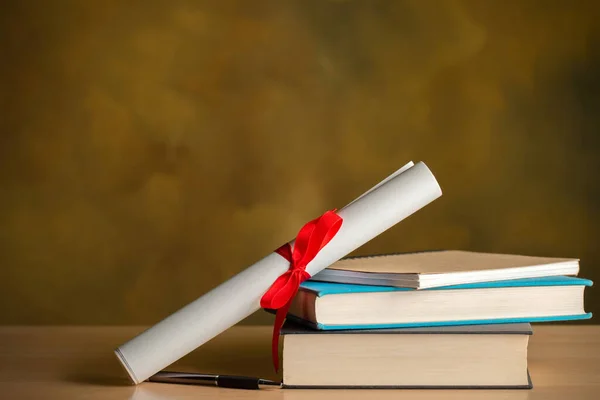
(226, 381)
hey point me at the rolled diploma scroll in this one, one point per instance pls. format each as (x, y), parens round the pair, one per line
(398, 196)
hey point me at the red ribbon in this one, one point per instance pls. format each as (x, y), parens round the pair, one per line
(310, 240)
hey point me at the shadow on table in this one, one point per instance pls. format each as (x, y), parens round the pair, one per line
(247, 352)
(99, 373)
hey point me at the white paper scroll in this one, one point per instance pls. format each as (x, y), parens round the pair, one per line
(398, 196)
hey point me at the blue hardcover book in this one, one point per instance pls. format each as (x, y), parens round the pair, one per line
(335, 306)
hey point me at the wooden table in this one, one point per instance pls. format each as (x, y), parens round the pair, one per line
(78, 363)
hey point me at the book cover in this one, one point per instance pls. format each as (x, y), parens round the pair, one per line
(325, 289)
(427, 269)
(292, 328)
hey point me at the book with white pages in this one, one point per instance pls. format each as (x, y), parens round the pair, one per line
(422, 270)
(339, 306)
(451, 357)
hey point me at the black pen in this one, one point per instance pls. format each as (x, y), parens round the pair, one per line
(226, 381)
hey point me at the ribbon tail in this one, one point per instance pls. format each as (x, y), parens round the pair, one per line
(285, 251)
(279, 320)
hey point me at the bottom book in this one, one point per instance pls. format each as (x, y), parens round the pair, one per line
(474, 356)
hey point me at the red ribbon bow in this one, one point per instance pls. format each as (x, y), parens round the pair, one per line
(310, 240)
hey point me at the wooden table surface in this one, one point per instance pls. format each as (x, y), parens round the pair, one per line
(78, 363)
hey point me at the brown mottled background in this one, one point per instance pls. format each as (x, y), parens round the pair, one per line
(149, 150)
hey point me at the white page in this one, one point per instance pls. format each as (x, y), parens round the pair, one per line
(399, 196)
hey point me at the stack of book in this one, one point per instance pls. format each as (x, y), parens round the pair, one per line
(442, 319)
